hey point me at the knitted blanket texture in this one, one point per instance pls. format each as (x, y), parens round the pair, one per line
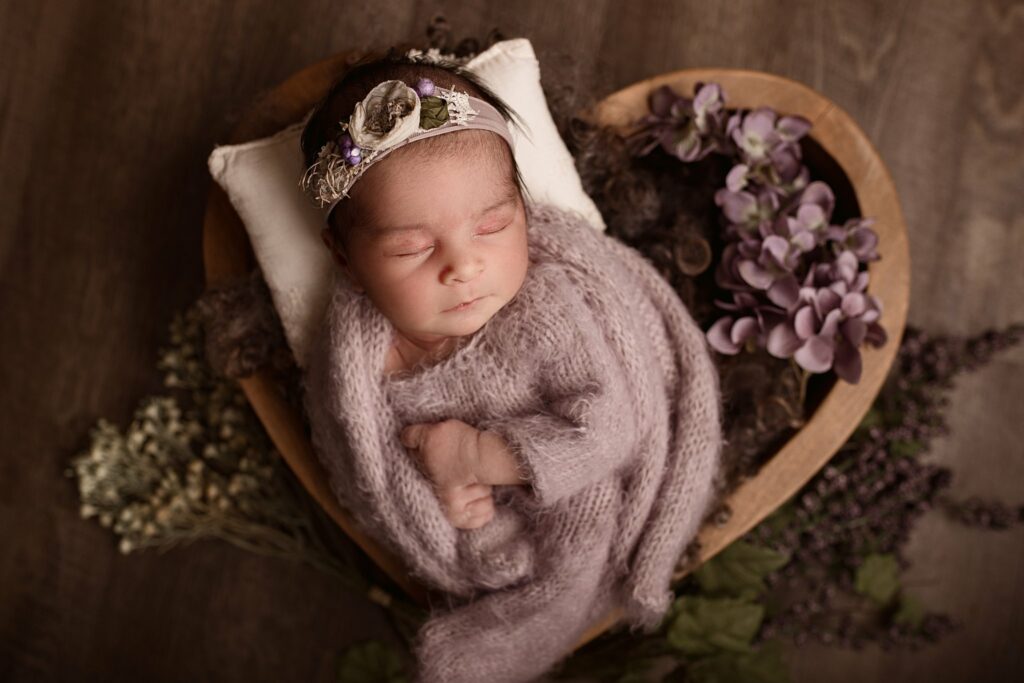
(603, 386)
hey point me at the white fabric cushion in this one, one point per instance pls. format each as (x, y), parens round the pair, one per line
(261, 178)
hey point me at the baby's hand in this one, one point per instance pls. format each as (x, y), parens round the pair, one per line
(448, 455)
(467, 507)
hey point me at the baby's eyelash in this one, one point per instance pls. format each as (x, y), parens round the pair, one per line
(491, 232)
(417, 253)
(414, 253)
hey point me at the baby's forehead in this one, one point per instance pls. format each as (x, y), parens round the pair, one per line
(457, 186)
(480, 206)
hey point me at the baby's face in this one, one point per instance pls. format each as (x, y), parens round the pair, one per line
(437, 233)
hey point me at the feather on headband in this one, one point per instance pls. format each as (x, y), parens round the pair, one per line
(392, 115)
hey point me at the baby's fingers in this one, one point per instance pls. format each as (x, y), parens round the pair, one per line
(469, 506)
(472, 492)
(456, 498)
(477, 514)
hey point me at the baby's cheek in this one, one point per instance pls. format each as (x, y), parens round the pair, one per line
(514, 265)
(414, 299)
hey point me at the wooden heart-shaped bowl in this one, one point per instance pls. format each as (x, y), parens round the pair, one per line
(844, 157)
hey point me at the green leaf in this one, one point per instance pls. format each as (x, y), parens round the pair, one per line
(910, 611)
(433, 112)
(371, 661)
(764, 665)
(878, 578)
(708, 625)
(739, 570)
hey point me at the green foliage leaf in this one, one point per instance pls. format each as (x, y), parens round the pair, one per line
(433, 112)
(708, 625)
(764, 665)
(739, 570)
(371, 661)
(909, 612)
(878, 578)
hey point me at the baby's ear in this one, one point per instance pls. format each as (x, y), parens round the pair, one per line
(336, 252)
(339, 257)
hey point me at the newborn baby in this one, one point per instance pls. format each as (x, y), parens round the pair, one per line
(516, 404)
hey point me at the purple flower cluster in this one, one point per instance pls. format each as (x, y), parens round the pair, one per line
(794, 279)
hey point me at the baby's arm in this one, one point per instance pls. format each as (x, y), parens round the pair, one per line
(496, 464)
(586, 430)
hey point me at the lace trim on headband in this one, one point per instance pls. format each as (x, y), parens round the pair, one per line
(434, 56)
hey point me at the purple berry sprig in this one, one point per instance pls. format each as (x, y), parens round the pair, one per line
(349, 150)
(424, 87)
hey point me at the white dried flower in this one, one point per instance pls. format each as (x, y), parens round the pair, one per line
(388, 114)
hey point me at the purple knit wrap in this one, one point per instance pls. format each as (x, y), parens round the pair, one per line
(602, 384)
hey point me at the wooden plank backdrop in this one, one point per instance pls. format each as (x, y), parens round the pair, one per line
(108, 111)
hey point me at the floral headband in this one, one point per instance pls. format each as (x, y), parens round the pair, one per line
(392, 115)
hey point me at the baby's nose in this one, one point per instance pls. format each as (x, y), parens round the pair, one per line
(462, 269)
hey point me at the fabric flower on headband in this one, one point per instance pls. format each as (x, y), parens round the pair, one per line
(389, 115)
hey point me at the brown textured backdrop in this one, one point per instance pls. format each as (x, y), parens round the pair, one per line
(107, 113)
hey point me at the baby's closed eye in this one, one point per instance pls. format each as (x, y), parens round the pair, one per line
(420, 250)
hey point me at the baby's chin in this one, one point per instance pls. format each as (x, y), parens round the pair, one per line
(460, 323)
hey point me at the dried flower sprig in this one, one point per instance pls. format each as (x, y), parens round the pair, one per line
(198, 465)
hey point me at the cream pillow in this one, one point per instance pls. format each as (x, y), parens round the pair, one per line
(261, 178)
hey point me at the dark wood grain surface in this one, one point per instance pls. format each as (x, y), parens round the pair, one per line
(108, 111)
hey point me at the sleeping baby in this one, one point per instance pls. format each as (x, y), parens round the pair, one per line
(515, 403)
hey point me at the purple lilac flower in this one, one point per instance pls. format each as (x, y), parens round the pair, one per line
(857, 236)
(831, 319)
(753, 318)
(749, 212)
(708, 107)
(794, 278)
(689, 129)
(814, 209)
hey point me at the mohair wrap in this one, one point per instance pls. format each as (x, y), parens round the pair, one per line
(603, 386)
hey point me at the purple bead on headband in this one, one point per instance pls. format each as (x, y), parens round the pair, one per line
(390, 116)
